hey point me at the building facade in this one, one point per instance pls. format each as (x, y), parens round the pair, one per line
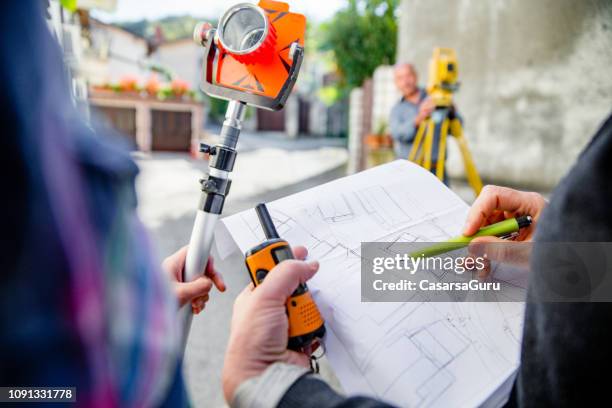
(112, 53)
(183, 58)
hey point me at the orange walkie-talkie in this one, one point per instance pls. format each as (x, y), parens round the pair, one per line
(305, 321)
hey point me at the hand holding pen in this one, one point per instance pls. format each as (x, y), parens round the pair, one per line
(500, 204)
(497, 214)
(496, 204)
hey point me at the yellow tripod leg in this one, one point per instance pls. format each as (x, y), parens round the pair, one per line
(470, 168)
(419, 159)
(442, 149)
(417, 143)
(428, 144)
(421, 152)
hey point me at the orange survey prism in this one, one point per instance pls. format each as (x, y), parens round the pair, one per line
(255, 54)
(252, 58)
(305, 321)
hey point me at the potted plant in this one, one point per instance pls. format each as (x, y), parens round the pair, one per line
(179, 88)
(152, 86)
(379, 145)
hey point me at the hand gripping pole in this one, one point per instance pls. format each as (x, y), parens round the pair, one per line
(215, 187)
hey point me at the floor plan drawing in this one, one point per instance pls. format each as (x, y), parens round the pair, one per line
(415, 353)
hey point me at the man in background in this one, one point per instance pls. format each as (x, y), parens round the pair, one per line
(408, 112)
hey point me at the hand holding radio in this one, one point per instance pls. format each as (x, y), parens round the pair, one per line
(260, 328)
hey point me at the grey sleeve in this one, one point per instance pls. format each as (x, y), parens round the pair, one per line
(310, 392)
(269, 388)
(289, 386)
(401, 126)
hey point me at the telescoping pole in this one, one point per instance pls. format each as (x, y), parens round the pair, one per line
(215, 187)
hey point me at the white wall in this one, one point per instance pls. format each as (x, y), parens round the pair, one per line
(385, 95)
(355, 142)
(183, 58)
(318, 117)
(113, 54)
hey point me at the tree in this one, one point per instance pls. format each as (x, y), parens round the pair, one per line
(361, 37)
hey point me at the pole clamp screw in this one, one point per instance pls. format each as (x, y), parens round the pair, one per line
(207, 149)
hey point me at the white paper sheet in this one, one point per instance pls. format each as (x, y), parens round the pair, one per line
(411, 354)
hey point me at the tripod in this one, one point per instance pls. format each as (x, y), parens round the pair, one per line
(442, 122)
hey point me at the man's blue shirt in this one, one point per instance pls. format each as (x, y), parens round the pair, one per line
(401, 124)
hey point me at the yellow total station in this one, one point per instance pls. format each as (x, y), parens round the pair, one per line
(442, 84)
(443, 76)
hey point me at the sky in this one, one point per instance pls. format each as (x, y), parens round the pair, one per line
(319, 10)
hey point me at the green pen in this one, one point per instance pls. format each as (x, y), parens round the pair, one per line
(500, 229)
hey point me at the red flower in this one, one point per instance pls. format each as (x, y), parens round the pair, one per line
(152, 86)
(128, 83)
(179, 87)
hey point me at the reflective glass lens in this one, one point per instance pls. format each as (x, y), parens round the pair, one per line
(243, 29)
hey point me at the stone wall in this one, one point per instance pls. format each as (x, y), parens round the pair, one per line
(536, 78)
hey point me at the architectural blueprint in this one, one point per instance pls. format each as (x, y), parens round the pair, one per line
(411, 353)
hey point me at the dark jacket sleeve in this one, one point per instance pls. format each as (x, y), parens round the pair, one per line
(566, 353)
(310, 392)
